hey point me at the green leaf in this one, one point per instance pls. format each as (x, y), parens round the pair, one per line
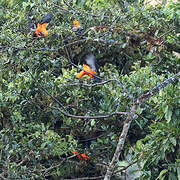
(168, 115)
(43, 145)
(92, 122)
(1, 13)
(173, 141)
(139, 145)
(178, 173)
(23, 44)
(164, 171)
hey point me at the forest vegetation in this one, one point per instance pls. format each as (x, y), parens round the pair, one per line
(122, 123)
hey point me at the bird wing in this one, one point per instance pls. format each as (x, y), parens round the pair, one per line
(48, 18)
(91, 61)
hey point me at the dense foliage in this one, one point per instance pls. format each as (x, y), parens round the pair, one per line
(47, 114)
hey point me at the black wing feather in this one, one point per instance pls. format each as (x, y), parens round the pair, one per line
(48, 18)
(91, 61)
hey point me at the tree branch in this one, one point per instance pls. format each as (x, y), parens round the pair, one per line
(58, 165)
(3, 178)
(66, 113)
(130, 118)
(91, 117)
(86, 178)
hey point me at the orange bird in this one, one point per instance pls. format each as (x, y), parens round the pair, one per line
(76, 23)
(89, 67)
(41, 28)
(77, 28)
(82, 156)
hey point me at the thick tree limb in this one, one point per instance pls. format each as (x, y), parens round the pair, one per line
(129, 119)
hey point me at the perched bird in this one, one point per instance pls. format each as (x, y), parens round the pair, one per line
(41, 28)
(82, 157)
(89, 68)
(77, 27)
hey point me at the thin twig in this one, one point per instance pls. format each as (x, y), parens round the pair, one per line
(46, 91)
(90, 117)
(86, 178)
(124, 168)
(58, 165)
(71, 115)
